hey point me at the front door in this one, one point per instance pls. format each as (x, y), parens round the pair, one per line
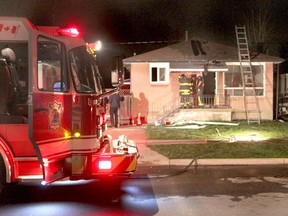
(209, 83)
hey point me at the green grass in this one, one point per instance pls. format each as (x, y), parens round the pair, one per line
(224, 150)
(267, 130)
(275, 147)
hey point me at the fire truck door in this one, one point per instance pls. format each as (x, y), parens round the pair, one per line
(51, 109)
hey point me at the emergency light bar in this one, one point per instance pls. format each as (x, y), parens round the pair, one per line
(56, 31)
(70, 32)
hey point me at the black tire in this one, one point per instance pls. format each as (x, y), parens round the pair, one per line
(2, 174)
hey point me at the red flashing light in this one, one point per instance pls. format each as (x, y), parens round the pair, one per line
(71, 32)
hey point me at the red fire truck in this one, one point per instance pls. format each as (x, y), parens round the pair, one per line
(52, 108)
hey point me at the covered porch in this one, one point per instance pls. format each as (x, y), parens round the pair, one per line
(213, 108)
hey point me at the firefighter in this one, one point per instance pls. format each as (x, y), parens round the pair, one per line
(12, 82)
(200, 90)
(185, 91)
(51, 78)
(8, 54)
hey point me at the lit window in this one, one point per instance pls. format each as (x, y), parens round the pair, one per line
(159, 73)
(233, 81)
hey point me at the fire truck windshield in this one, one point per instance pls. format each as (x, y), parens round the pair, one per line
(85, 76)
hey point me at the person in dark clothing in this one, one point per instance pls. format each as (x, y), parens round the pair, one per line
(114, 101)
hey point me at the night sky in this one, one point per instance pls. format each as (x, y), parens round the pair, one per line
(146, 20)
(117, 22)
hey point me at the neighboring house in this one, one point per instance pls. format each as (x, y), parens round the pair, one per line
(283, 92)
(155, 87)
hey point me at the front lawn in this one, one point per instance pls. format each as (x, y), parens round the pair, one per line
(224, 150)
(265, 130)
(271, 141)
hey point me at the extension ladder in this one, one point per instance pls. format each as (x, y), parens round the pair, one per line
(251, 105)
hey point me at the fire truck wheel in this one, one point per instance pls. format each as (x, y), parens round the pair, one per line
(2, 174)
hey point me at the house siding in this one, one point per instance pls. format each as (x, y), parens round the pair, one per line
(157, 94)
(148, 99)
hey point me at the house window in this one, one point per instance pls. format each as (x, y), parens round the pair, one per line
(159, 73)
(233, 81)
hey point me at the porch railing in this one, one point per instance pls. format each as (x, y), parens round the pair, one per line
(210, 101)
(206, 101)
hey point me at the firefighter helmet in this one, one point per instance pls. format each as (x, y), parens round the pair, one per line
(8, 54)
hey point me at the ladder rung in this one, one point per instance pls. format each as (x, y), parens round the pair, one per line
(248, 84)
(253, 119)
(251, 114)
(250, 96)
(251, 102)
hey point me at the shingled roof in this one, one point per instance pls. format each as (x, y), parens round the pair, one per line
(197, 51)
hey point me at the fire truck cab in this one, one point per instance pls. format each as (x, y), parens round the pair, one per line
(52, 108)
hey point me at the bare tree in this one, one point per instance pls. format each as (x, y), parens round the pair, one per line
(259, 23)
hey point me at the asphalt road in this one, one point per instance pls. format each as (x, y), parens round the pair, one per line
(163, 190)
